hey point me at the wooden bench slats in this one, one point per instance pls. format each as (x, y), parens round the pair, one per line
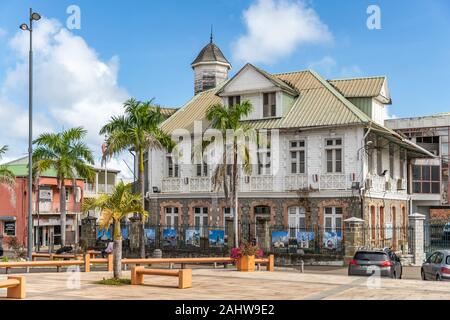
(160, 272)
(184, 276)
(9, 283)
(16, 287)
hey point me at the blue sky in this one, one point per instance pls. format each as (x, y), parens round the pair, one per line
(146, 47)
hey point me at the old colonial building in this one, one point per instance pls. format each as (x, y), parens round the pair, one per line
(330, 157)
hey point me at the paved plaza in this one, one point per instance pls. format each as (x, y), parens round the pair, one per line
(223, 284)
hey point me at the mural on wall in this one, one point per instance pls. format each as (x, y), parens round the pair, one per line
(169, 237)
(280, 239)
(150, 236)
(193, 237)
(104, 234)
(216, 238)
(305, 239)
(332, 240)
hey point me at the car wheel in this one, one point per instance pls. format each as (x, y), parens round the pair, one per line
(422, 274)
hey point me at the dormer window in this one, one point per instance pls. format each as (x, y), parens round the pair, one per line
(269, 105)
(234, 100)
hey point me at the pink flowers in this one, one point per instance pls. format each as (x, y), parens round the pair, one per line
(246, 249)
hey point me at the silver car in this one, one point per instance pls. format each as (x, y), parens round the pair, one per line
(369, 262)
(437, 266)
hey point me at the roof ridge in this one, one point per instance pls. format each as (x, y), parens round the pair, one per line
(358, 78)
(291, 72)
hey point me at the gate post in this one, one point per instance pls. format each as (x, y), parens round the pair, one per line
(416, 222)
(353, 237)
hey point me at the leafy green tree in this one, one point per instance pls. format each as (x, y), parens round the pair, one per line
(66, 153)
(114, 209)
(138, 129)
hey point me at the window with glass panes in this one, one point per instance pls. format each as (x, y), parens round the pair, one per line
(234, 100)
(171, 217)
(333, 219)
(263, 153)
(333, 149)
(201, 218)
(297, 220)
(202, 170)
(426, 179)
(297, 156)
(269, 105)
(172, 168)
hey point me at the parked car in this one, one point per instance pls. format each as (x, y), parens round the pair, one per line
(368, 262)
(437, 266)
(446, 232)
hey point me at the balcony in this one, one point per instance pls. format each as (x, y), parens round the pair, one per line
(333, 182)
(90, 189)
(261, 183)
(171, 185)
(200, 184)
(295, 182)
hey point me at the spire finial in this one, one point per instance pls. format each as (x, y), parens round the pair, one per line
(212, 36)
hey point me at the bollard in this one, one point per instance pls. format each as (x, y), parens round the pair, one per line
(87, 262)
(215, 265)
(271, 263)
(110, 262)
(302, 266)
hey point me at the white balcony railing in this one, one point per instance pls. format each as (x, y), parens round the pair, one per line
(200, 184)
(295, 182)
(261, 183)
(333, 182)
(171, 185)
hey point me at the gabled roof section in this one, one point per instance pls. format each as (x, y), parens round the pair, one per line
(194, 110)
(273, 79)
(371, 87)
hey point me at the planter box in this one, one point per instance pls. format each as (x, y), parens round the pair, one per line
(246, 264)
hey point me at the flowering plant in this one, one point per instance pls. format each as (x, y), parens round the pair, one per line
(246, 249)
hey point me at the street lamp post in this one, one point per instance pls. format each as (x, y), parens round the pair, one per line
(34, 16)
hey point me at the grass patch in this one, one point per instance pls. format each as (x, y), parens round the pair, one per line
(114, 282)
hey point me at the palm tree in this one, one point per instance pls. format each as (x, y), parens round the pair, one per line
(228, 120)
(6, 176)
(138, 129)
(115, 208)
(66, 153)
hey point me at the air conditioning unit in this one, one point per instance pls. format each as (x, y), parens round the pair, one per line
(387, 185)
(369, 184)
(400, 185)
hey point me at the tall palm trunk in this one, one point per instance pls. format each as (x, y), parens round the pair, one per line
(142, 186)
(62, 201)
(117, 251)
(234, 196)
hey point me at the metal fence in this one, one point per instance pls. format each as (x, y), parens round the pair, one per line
(213, 239)
(436, 236)
(397, 238)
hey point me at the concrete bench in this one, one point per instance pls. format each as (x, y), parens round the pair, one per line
(16, 287)
(184, 276)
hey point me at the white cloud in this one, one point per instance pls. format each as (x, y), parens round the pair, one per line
(72, 87)
(275, 28)
(328, 67)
